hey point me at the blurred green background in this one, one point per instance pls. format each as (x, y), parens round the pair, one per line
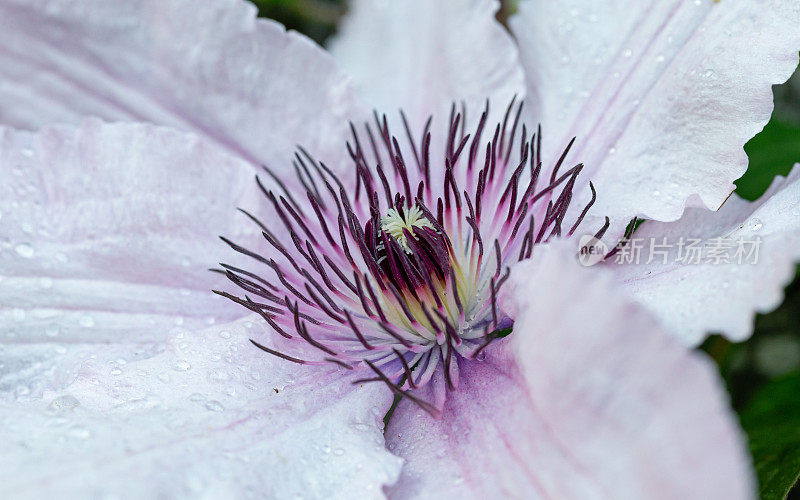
(762, 374)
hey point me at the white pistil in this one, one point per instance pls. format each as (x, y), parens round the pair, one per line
(393, 223)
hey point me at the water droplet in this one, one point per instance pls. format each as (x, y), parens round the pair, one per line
(627, 53)
(196, 397)
(214, 406)
(218, 376)
(656, 193)
(179, 321)
(708, 73)
(27, 152)
(86, 321)
(64, 403)
(116, 371)
(80, 433)
(338, 452)
(225, 334)
(25, 250)
(612, 150)
(52, 331)
(164, 377)
(181, 366)
(660, 58)
(756, 224)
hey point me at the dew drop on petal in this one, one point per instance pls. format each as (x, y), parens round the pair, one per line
(214, 406)
(86, 321)
(181, 366)
(756, 224)
(80, 433)
(24, 250)
(64, 403)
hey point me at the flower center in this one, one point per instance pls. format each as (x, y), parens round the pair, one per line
(397, 222)
(399, 269)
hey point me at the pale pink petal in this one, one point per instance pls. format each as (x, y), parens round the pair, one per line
(422, 56)
(757, 246)
(661, 96)
(211, 417)
(210, 67)
(586, 399)
(106, 236)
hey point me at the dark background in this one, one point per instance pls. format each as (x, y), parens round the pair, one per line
(763, 373)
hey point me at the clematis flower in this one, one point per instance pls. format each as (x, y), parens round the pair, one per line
(433, 259)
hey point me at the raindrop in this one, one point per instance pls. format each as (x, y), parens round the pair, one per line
(612, 150)
(708, 73)
(164, 377)
(181, 366)
(627, 53)
(86, 321)
(756, 224)
(116, 371)
(660, 58)
(225, 334)
(51, 332)
(25, 250)
(64, 403)
(27, 152)
(80, 433)
(214, 406)
(217, 376)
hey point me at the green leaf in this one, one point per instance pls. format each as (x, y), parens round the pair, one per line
(772, 423)
(501, 332)
(772, 152)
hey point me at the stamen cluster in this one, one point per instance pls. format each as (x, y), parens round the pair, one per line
(399, 268)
